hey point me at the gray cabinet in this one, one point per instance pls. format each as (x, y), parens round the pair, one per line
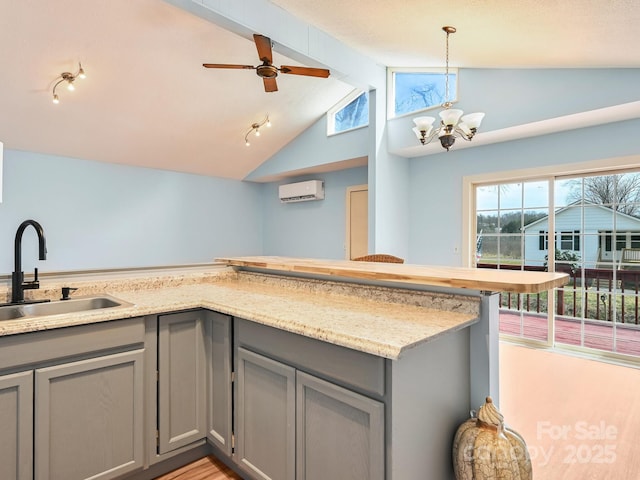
(71, 402)
(338, 424)
(181, 380)
(16, 419)
(88, 418)
(266, 417)
(218, 343)
(290, 423)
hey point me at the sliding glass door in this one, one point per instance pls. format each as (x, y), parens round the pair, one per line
(586, 226)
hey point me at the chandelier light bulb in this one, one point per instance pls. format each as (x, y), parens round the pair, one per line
(81, 73)
(56, 100)
(70, 87)
(268, 122)
(247, 143)
(257, 132)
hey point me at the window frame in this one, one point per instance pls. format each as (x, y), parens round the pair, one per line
(391, 88)
(333, 111)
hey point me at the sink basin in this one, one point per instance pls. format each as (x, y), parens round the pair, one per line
(10, 312)
(80, 304)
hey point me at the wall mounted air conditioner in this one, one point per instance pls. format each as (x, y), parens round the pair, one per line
(301, 191)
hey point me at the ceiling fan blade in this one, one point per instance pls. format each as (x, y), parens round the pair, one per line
(270, 84)
(225, 65)
(263, 44)
(310, 72)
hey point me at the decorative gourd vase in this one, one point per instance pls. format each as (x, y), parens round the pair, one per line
(484, 449)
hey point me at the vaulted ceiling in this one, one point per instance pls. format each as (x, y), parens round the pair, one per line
(148, 101)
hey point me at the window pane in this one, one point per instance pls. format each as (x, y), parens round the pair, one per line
(510, 250)
(354, 115)
(563, 191)
(511, 221)
(536, 194)
(628, 194)
(419, 90)
(487, 222)
(511, 195)
(487, 197)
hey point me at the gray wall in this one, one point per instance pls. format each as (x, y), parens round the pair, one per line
(97, 215)
(432, 228)
(436, 180)
(310, 229)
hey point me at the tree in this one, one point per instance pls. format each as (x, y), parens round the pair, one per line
(619, 192)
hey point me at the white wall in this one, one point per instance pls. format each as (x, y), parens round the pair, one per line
(97, 215)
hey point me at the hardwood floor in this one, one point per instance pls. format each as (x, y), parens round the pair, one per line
(580, 418)
(207, 468)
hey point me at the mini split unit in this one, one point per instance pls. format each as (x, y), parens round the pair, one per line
(301, 191)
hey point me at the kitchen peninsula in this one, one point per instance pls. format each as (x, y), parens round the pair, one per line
(373, 365)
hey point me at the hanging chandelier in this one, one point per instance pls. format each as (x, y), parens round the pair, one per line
(452, 122)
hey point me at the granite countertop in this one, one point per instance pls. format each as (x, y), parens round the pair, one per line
(378, 320)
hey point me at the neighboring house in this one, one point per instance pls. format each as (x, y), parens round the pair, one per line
(596, 233)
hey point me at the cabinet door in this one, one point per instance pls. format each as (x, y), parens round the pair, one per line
(218, 349)
(16, 421)
(182, 380)
(89, 418)
(338, 424)
(266, 416)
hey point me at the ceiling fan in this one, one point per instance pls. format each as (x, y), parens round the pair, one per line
(267, 71)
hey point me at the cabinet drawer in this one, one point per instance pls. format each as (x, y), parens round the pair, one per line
(39, 347)
(358, 370)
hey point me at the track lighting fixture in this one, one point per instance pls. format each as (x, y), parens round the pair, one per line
(69, 78)
(255, 127)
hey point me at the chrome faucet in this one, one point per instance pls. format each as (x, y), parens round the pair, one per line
(18, 285)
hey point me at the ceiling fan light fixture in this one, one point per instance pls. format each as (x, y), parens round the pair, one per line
(453, 122)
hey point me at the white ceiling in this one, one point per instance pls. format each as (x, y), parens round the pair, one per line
(148, 101)
(491, 33)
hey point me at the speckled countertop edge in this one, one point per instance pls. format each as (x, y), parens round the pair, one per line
(378, 320)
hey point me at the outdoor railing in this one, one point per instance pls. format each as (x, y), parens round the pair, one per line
(602, 289)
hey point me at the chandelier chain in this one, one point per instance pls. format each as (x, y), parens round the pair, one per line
(446, 73)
